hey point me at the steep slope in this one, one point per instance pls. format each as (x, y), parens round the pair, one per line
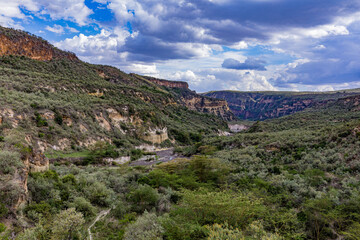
(264, 105)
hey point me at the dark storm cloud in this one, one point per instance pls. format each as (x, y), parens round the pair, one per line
(225, 23)
(295, 13)
(249, 64)
(150, 49)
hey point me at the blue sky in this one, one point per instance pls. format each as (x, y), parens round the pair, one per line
(212, 44)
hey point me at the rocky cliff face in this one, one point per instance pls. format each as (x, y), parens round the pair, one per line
(22, 44)
(156, 136)
(264, 105)
(208, 105)
(170, 84)
(33, 162)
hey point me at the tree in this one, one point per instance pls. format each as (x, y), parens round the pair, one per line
(143, 198)
(146, 227)
(67, 224)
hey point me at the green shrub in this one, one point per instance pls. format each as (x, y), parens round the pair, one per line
(2, 228)
(146, 227)
(40, 122)
(143, 198)
(58, 118)
(3, 210)
(205, 207)
(98, 194)
(136, 154)
(9, 162)
(84, 206)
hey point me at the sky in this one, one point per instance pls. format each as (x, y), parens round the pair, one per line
(246, 45)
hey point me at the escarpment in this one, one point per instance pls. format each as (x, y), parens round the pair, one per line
(20, 43)
(265, 105)
(167, 83)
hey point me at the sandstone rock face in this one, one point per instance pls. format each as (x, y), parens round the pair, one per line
(217, 107)
(156, 136)
(103, 122)
(12, 117)
(33, 162)
(38, 162)
(115, 117)
(23, 44)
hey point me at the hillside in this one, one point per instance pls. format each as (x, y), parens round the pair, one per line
(54, 104)
(96, 102)
(265, 105)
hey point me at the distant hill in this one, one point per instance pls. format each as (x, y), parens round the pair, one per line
(265, 105)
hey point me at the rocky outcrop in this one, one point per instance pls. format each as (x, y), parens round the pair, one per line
(24, 44)
(352, 103)
(156, 136)
(13, 118)
(103, 122)
(235, 128)
(208, 105)
(167, 83)
(33, 162)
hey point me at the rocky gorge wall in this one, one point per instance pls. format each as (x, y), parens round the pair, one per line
(264, 105)
(214, 106)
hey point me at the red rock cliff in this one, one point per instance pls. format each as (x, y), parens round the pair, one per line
(22, 44)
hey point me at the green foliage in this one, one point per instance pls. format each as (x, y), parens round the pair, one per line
(146, 227)
(223, 232)
(40, 122)
(208, 169)
(181, 136)
(98, 194)
(2, 228)
(3, 210)
(143, 198)
(99, 151)
(136, 154)
(204, 207)
(58, 118)
(353, 232)
(34, 209)
(67, 225)
(84, 206)
(9, 162)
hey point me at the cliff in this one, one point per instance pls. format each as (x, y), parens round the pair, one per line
(167, 83)
(208, 105)
(264, 105)
(190, 99)
(20, 43)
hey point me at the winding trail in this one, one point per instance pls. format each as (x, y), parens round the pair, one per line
(101, 215)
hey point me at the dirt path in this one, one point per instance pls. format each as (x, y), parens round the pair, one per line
(101, 215)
